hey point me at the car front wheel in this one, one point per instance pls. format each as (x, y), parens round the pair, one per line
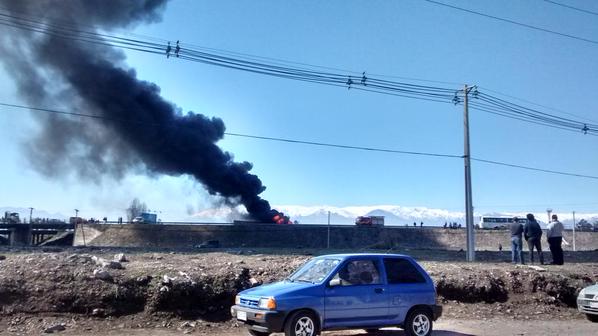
(302, 323)
(418, 323)
(592, 317)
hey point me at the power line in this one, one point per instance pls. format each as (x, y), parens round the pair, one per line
(514, 22)
(491, 104)
(363, 82)
(345, 146)
(571, 7)
(533, 168)
(162, 42)
(534, 205)
(312, 143)
(536, 104)
(256, 65)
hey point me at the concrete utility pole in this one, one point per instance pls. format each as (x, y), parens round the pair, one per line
(574, 231)
(30, 226)
(77, 222)
(468, 197)
(548, 212)
(328, 244)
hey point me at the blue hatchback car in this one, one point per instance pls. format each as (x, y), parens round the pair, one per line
(343, 291)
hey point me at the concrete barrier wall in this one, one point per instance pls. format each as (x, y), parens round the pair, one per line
(305, 236)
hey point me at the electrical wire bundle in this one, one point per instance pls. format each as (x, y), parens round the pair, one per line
(189, 53)
(307, 73)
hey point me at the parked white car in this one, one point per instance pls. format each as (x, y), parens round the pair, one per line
(587, 302)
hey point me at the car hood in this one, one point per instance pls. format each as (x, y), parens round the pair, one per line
(276, 289)
(591, 290)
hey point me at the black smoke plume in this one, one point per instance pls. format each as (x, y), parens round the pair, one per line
(138, 129)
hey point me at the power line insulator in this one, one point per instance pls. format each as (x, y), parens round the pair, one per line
(585, 129)
(349, 82)
(363, 79)
(168, 49)
(177, 49)
(456, 99)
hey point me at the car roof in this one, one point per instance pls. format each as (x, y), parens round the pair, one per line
(348, 255)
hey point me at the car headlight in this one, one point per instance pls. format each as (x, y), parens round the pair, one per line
(237, 300)
(582, 292)
(267, 303)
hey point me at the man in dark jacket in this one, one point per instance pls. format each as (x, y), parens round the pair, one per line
(533, 234)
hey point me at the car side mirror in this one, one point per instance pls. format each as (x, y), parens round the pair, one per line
(335, 282)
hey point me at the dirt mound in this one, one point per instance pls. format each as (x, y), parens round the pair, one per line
(556, 286)
(473, 288)
(186, 286)
(203, 286)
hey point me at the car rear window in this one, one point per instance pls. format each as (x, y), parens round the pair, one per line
(402, 271)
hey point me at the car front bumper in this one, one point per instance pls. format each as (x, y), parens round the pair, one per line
(588, 306)
(258, 319)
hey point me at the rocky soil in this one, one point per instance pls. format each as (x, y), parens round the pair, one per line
(62, 290)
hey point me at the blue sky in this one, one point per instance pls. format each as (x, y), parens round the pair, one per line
(408, 38)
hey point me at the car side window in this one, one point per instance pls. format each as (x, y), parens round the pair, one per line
(359, 272)
(402, 271)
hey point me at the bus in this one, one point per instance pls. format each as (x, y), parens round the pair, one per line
(498, 222)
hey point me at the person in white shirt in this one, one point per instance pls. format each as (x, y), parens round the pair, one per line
(554, 234)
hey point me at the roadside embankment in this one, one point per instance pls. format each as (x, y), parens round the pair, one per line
(303, 236)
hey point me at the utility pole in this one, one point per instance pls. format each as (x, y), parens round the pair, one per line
(81, 226)
(30, 226)
(548, 212)
(468, 197)
(574, 231)
(328, 244)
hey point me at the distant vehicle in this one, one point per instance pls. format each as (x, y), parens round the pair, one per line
(497, 223)
(584, 225)
(11, 218)
(76, 220)
(147, 218)
(343, 291)
(587, 302)
(150, 218)
(369, 220)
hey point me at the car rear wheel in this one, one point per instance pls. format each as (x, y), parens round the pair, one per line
(258, 333)
(592, 317)
(302, 323)
(418, 323)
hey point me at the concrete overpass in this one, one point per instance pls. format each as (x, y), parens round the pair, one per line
(19, 234)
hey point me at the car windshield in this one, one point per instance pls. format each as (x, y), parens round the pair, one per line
(314, 271)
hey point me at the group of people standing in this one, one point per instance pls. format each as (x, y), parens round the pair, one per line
(532, 232)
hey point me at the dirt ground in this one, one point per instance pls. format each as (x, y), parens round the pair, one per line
(189, 292)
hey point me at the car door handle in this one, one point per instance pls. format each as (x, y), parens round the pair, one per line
(379, 290)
